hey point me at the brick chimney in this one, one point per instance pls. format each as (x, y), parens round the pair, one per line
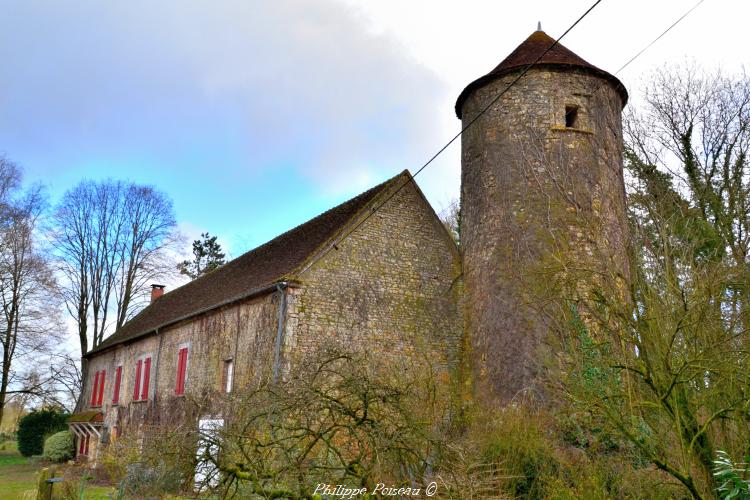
(156, 292)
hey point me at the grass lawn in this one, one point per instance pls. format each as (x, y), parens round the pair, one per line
(18, 477)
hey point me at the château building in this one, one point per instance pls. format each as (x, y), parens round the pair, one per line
(382, 273)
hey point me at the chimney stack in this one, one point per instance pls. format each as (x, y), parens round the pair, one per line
(156, 292)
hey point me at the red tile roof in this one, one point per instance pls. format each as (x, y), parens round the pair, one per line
(528, 52)
(254, 272)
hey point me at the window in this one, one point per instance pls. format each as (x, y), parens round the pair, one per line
(101, 388)
(182, 360)
(206, 473)
(95, 389)
(118, 381)
(142, 379)
(227, 376)
(97, 392)
(571, 116)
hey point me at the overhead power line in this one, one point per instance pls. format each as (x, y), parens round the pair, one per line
(644, 49)
(471, 122)
(453, 139)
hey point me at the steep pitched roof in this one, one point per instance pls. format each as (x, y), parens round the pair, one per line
(253, 272)
(528, 52)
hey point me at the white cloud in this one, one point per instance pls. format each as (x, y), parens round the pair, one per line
(186, 84)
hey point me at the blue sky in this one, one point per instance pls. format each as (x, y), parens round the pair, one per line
(255, 116)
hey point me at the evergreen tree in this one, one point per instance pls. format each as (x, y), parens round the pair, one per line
(207, 256)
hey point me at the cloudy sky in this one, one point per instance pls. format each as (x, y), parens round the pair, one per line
(256, 115)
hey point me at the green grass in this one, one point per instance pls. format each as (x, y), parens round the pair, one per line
(18, 477)
(8, 460)
(8, 447)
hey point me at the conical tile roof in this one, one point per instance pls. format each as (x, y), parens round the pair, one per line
(527, 53)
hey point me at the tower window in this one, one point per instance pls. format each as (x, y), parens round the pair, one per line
(227, 376)
(571, 116)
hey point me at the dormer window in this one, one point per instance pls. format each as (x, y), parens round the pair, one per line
(571, 116)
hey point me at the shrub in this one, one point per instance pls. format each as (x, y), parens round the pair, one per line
(152, 464)
(146, 480)
(59, 447)
(36, 426)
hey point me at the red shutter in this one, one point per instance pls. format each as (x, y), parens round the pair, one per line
(146, 377)
(86, 447)
(181, 370)
(95, 389)
(101, 388)
(118, 380)
(137, 388)
(81, 444)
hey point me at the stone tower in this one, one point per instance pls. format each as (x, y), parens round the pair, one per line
(541, 188)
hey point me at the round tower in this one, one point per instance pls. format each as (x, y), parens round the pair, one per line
(541, 191)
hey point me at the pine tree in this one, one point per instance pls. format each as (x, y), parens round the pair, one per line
(207, 256)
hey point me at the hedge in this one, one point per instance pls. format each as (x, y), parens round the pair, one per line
(35, 427)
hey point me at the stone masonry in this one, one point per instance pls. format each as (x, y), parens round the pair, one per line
(391, 289)
(541, 191)
(535, 190)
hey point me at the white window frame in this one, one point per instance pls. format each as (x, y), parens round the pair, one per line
(229, 382)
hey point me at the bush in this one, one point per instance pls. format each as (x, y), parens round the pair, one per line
(59, 447)
(145, 480)
(34, 428)
(152, 464)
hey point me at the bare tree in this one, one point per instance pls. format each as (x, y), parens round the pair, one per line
(28, 293)
(10, 179)
(110, 239)
(665, 368)
(451, 219)
(65, 379)
(149, 230)
(694, 127)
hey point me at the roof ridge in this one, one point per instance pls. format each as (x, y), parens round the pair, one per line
(382, 188)
(244, 275)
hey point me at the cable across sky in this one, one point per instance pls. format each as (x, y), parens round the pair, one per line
(375, 208)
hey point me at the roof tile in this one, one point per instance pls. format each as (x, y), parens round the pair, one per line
(527, 53)
(275, 261)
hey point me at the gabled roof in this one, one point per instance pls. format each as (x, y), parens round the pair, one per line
(254, 272)
(528, 52)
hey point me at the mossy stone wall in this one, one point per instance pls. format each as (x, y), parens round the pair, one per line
(392, 288)
(537, 196)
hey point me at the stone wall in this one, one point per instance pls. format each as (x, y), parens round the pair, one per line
(536, 195)
(391, 288)
(243, 332)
